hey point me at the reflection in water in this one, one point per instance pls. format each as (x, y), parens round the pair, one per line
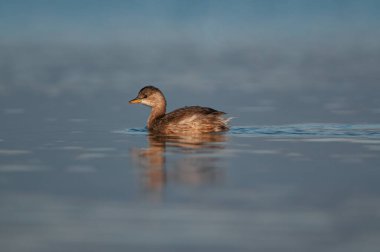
(193, 160)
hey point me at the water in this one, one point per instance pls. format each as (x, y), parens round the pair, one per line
(78, 172)
(295, 187)
(312, 129)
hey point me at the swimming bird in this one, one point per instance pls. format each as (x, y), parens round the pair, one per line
(183, 121)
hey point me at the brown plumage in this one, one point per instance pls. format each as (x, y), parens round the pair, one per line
(186, 120)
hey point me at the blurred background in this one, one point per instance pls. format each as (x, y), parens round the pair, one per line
(263, 62)
(79, 173)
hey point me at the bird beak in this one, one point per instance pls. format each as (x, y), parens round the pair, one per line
(136, 100)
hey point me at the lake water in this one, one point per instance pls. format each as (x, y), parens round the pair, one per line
(301, 187)
(298, 171)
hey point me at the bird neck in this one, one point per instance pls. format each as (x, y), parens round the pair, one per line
(156, 112)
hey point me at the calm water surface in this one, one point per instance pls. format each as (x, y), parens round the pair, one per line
(301, 187)
(76, 175)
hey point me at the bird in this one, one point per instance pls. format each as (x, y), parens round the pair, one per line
(190, 120)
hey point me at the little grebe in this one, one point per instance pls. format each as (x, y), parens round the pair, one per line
(186, 120)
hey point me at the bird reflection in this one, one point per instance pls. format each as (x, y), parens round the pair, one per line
(187, 160)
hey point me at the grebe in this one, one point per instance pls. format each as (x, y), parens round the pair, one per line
(186, 120)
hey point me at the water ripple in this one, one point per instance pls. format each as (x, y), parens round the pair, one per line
(315, 130)
(133, 131)
(293, 130)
